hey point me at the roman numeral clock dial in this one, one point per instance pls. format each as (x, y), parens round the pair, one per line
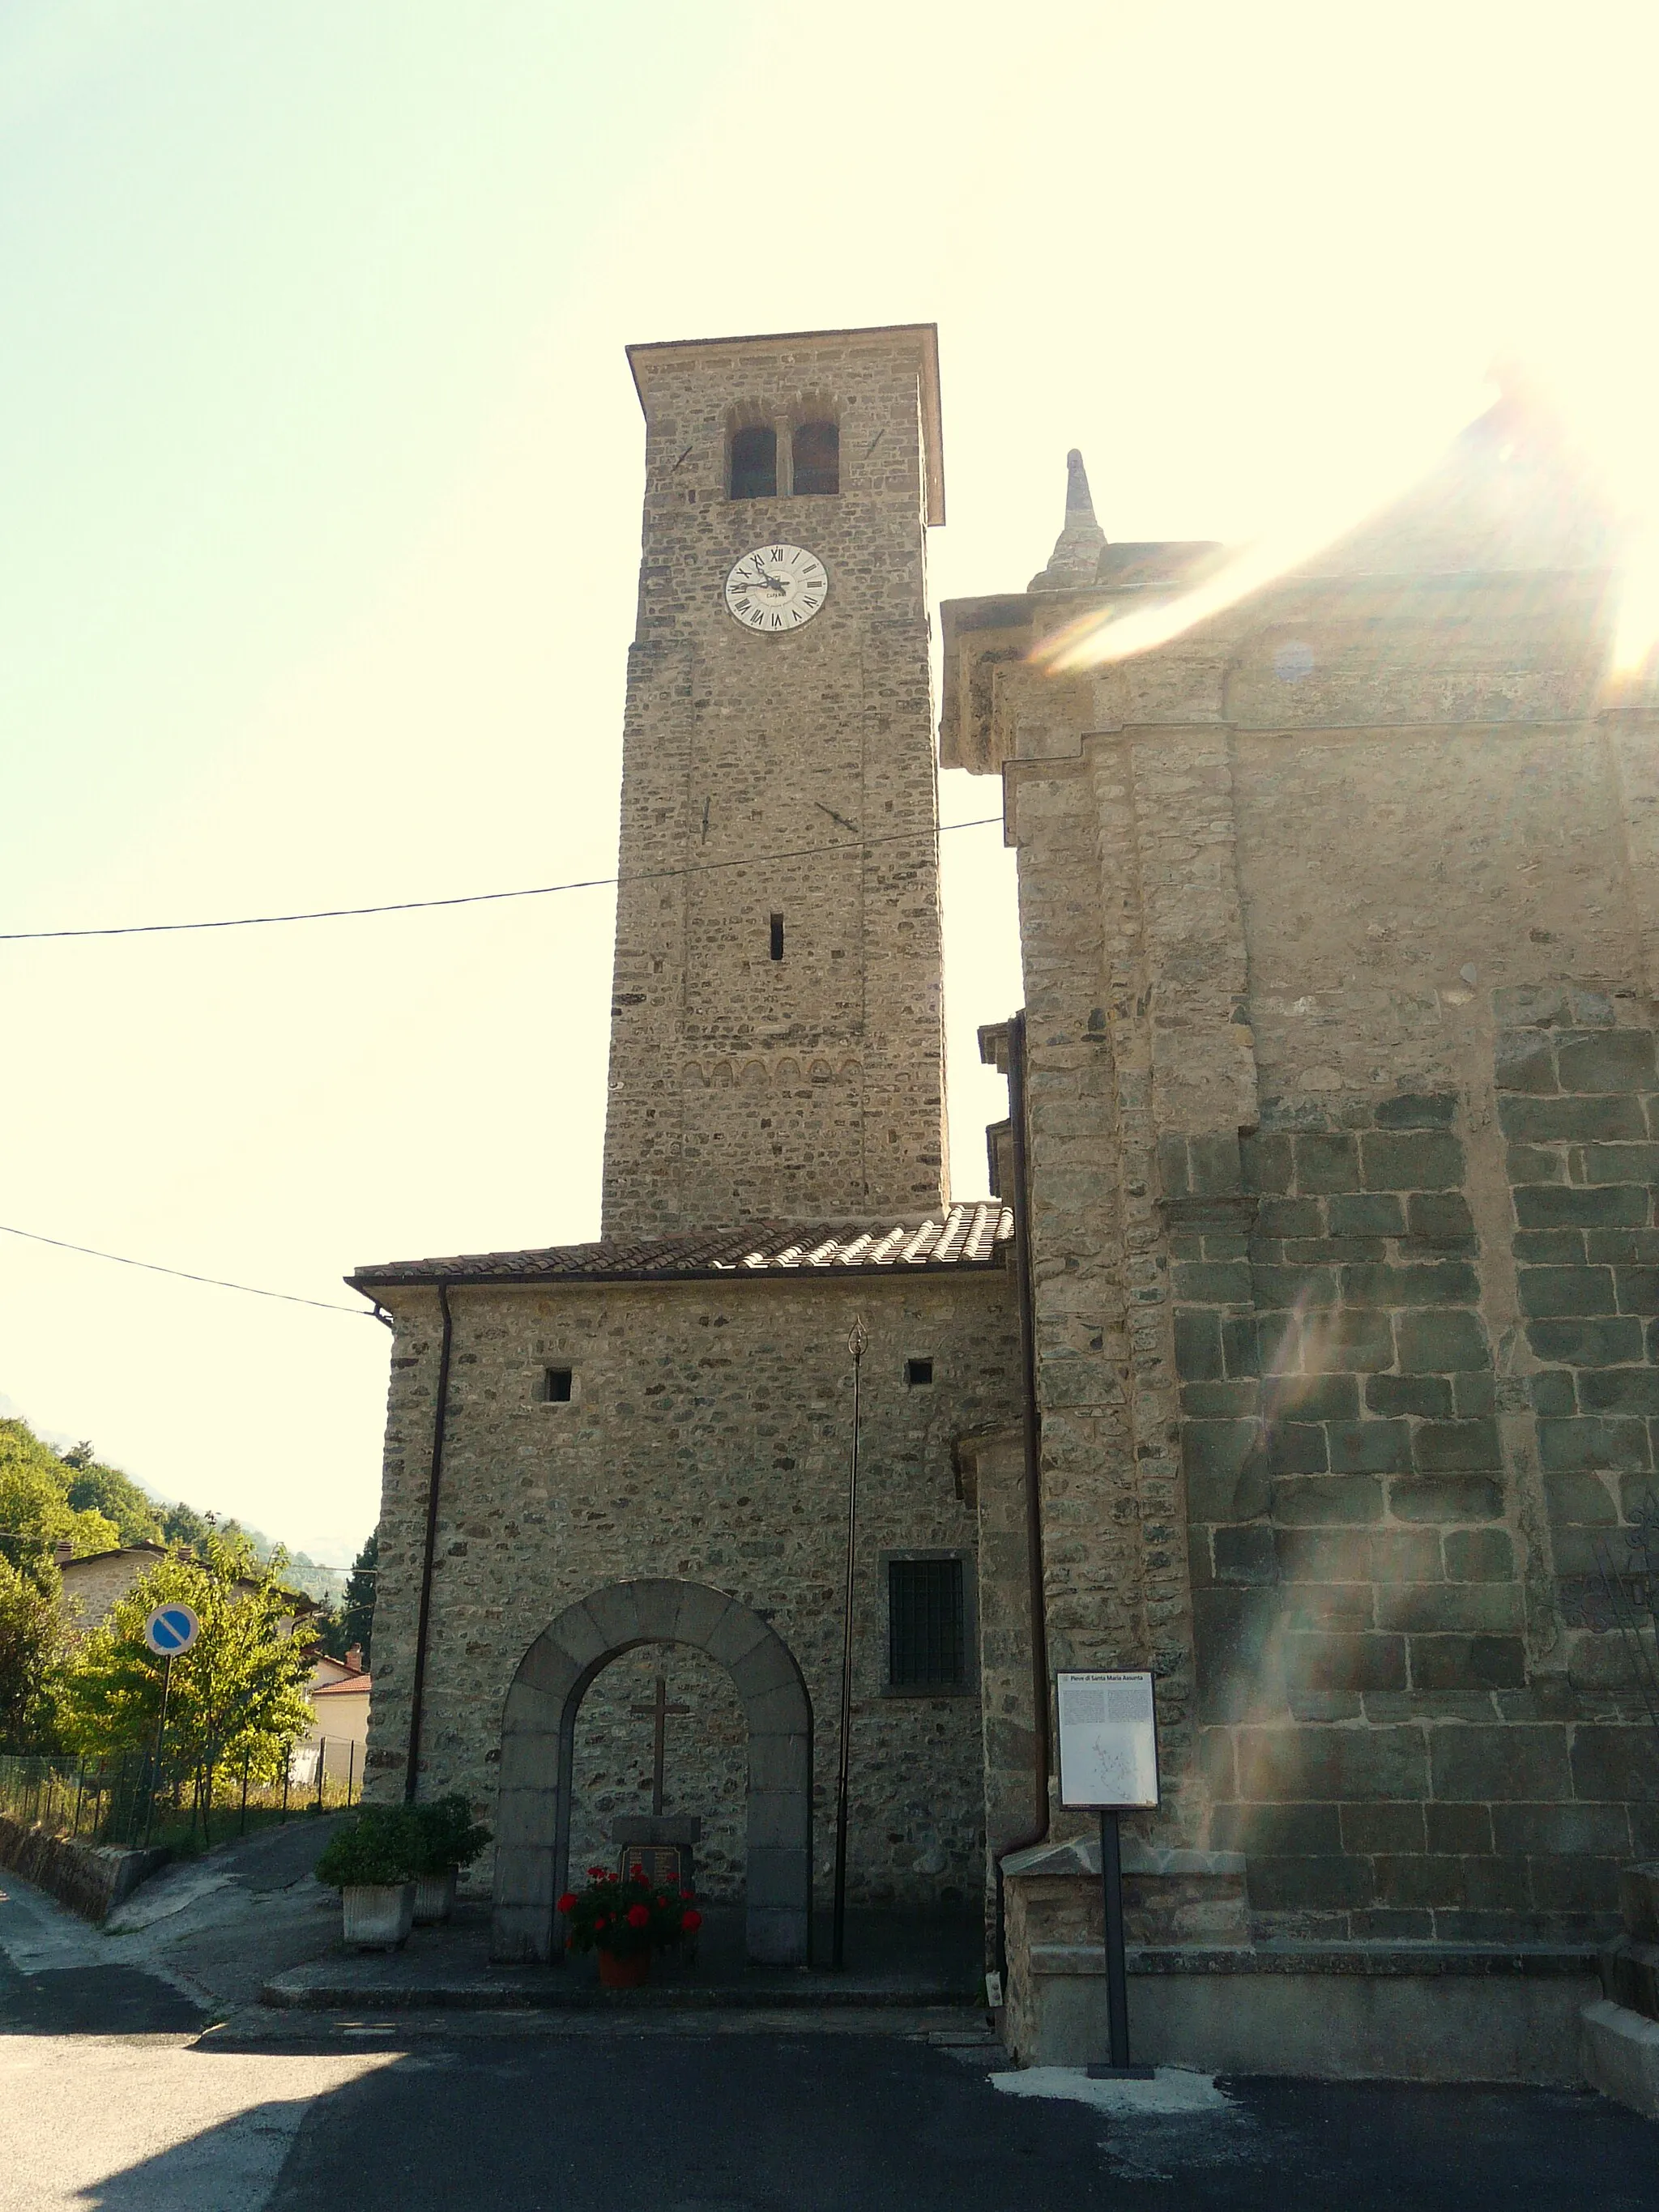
(776, 588)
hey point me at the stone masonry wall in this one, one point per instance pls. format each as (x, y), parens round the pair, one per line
(707, 1440)
(1339, 927)
(741, 1087)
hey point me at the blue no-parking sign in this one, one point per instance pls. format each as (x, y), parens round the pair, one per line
(171, 1629)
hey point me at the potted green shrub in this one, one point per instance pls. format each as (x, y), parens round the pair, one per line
(370, 1860)
(450, 1838)
(625, 1921)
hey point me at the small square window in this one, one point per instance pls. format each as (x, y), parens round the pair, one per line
(918, 1373)
(927, 1625)
(555, 1385)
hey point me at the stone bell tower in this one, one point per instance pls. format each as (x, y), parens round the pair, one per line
(777, 1040)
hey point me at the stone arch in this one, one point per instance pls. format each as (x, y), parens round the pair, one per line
(538, 1737)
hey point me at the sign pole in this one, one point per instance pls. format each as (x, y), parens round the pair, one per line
(169, 1629)
(1117, 1979)
(161, 1733)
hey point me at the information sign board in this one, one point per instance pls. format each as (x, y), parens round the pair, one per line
(1107, 1741)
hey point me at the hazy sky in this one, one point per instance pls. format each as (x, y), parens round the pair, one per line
(321, 471)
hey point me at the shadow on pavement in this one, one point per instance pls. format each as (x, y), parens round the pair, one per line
(798, 2124)
(93, 2000)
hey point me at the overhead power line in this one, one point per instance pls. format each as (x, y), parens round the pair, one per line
(216, 1282)
(487, 898)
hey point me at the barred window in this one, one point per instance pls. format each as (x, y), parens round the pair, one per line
(927, 1627)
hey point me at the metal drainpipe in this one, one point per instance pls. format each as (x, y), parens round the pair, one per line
(1033, 1436)
(423, 1622)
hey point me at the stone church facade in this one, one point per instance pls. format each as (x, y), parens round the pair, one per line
(1305, 1351)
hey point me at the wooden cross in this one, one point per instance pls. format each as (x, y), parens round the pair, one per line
(658, 1710)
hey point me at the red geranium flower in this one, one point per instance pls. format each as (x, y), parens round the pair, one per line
(636, 1874)
(603, 1920)
(688, 1894)
(595, 1874)
(639, 1916)
(691, 1921)
(568, 1902)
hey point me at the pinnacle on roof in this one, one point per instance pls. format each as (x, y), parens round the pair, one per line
(1078, 549)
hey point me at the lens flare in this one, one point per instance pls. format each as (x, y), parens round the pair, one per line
(1589, 417)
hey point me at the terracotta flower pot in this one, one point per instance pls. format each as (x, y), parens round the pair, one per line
(616, 1973)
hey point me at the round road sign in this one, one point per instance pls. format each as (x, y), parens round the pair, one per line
(171, 1629)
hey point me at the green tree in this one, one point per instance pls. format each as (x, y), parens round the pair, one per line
(237, 1694)
(32, 1643)
(183, 1524)
(356, 1616)
(95, 1488)
(35, 1511)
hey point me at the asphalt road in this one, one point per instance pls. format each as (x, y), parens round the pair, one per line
(119, 2093)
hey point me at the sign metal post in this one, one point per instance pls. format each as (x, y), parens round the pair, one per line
(1108, 1761)
(169, 1629)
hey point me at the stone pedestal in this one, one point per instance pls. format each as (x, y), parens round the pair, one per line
(648, 1832)
(1621, 2032)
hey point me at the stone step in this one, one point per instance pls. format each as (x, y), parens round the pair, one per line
(1638, 1901)
(1630, 1976)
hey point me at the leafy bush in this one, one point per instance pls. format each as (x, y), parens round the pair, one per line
(449, 1836)
(626, 1918)
(380, 1846)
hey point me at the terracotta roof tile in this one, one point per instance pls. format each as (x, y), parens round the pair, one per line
(970, 1236)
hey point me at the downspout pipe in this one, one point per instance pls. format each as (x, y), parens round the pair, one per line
(1032, 1437)
(435, 1480)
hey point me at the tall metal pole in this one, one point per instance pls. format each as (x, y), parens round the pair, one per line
(857, 1342)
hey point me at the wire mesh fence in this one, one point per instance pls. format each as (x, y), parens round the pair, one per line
(181, 1801)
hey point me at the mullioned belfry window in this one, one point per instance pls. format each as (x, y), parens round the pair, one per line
(815, 456)
(755, 462)
(807, 465)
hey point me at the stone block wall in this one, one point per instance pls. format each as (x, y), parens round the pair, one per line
(1382, 1742)
(1578, 1106)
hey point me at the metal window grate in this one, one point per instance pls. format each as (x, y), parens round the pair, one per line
(927, 1637)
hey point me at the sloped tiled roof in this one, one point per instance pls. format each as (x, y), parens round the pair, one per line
(969, 1236)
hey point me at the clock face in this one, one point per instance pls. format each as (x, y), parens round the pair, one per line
(776, 588)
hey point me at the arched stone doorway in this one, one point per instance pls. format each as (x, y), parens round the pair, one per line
(539, 1727)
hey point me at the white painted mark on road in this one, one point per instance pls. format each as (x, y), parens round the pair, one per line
(1173, 2089)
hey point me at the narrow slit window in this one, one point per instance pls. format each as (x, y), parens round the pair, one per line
(755, 462)
(815, 454)
(555, 1385)
(926, 1627)
(918, 1373)
(777, 937)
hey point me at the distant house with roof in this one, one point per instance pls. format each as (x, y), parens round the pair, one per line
(94, 1585)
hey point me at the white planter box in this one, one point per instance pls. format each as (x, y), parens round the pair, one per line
(379, 1919)
(435, 1897)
